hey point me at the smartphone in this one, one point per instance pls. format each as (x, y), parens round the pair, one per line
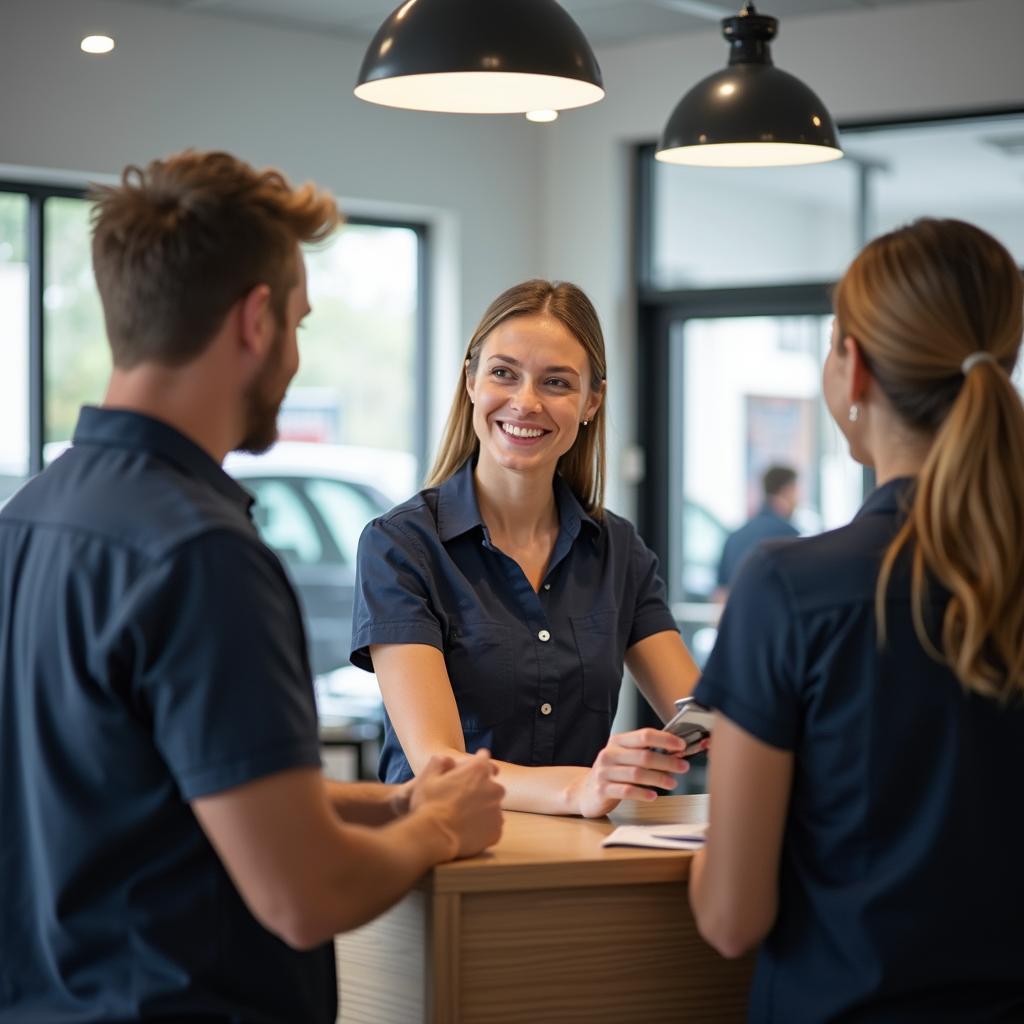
(692, 722)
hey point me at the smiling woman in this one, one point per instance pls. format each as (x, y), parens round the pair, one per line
(498, 606)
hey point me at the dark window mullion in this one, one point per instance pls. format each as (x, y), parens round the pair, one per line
(36, 333)
(422, 361)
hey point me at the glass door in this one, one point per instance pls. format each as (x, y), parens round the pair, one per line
(745, 396)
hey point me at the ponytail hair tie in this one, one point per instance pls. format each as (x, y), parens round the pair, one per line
(981, 356)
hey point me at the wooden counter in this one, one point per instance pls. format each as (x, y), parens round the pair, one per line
(545, 928)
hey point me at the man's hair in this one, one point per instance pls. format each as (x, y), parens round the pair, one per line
(179, 242)
(776, 479)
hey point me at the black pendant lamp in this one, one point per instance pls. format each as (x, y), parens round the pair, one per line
(751, 114)
(480, 57)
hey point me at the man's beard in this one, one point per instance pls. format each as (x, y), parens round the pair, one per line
(263, 402)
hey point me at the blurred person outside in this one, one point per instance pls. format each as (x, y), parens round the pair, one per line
(772, 522)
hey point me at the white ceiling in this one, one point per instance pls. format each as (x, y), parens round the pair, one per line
(602, 21)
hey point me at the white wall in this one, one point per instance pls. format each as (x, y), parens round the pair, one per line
(865, 64)
(274, 97)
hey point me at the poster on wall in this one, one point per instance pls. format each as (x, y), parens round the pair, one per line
(781, 431)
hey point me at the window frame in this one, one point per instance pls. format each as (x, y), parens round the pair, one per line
(37, 194)
(657, 310)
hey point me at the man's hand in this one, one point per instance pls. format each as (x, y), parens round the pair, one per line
(464, 799)
(630, 762)
(404, 798)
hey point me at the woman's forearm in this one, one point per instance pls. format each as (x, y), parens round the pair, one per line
(550, 789)
(545, 789)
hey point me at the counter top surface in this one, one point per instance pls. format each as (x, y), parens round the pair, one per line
(540, 851)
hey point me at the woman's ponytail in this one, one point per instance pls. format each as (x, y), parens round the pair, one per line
(937, 309)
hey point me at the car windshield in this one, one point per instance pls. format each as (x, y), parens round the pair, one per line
(345, 510)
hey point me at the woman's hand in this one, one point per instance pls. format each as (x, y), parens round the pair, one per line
(630, 761)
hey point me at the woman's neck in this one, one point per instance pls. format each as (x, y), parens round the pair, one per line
(516, 506)
(895, 449)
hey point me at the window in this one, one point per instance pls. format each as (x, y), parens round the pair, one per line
(735, 270)
(358, 380)
(77, 359)
(362, 380)
(14, 349)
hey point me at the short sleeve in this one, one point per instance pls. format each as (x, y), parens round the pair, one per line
(651, 614)
(392, 594)
(754, 671)
(221, 665)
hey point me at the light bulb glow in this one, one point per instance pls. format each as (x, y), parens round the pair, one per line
(749, 154)
(480, 92)
(541, 116)
(97, 44)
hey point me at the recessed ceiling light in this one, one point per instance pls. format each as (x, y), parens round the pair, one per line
(97, 44)
(541, 116)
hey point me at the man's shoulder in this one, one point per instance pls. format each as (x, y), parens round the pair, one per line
(131, 500)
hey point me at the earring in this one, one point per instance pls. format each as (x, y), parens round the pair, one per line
(586, 423)
(854, 412)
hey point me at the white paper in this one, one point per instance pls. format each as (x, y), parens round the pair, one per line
(659, 837)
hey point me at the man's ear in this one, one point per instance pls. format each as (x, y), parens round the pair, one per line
(256, 320)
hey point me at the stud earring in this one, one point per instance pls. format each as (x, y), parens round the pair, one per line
(586, 423)
(854, 412)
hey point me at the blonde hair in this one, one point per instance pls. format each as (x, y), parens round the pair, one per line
(583, 466)
(919, 301)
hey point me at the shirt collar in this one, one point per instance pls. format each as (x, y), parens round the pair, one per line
(458, 511)
(123, 428)
(571, 513)
(457, 508)
(893, 496)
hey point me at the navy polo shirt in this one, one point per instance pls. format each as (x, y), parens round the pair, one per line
(900, 888)
(536, 675)
(766, 525)
(151, 652)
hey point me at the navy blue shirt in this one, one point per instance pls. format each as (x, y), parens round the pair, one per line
(766, 525)
(536, 675)
(151, 652)
(900, 889)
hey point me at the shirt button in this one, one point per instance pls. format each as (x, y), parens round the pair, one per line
(545, 709)
(545, 636)
(547, 586)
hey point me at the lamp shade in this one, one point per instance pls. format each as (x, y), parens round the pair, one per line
(751, 114)
(480, 57)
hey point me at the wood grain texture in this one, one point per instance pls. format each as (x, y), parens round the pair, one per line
(540, 851)
(593, 955)
(444, 959)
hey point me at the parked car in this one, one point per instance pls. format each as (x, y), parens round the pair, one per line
(704, 536)
(312, 502)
